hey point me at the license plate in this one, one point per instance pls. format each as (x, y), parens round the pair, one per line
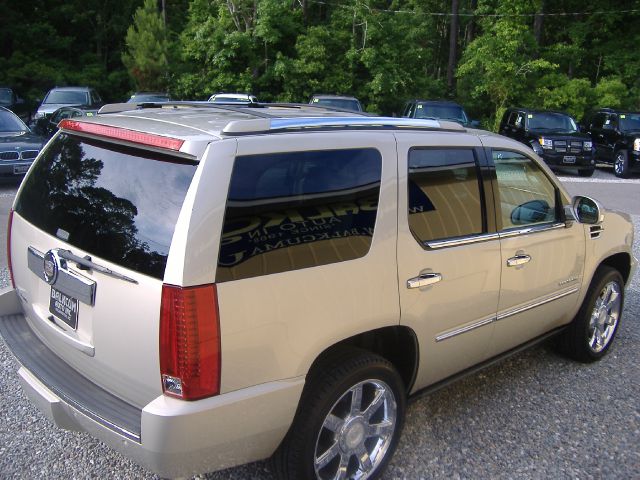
(20, 169)
(569, 159)
(64, 307)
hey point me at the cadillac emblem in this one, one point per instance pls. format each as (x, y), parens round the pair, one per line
(50, 267)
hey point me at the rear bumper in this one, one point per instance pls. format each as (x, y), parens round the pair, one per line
(168, 436)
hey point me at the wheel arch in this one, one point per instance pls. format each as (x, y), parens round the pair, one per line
(621, 262)
(397, 344)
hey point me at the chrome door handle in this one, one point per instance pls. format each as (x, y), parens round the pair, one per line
(424, 280)
(518, 260)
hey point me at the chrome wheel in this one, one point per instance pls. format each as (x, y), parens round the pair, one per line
(357, 432)
(604, 317)
(618, 165)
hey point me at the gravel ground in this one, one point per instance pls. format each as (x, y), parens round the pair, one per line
(536, 415)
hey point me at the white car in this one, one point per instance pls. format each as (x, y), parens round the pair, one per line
(232, 98)
(205, 286)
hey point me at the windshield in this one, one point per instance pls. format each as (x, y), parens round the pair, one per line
(630, 122)
(230, 100)
(10, 123)
(553, 122)
(5, 95)
(67, 97)
(448, 112)
(339, 103)
(120, 204)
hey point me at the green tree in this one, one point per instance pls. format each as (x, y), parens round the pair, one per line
(146, 56)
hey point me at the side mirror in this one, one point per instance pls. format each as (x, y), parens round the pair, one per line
(474, 123)
(586, 210)
(530, 212)
(19, 101)
(608, 127)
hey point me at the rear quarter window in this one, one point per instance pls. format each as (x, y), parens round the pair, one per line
(120, 204)
(294, 210)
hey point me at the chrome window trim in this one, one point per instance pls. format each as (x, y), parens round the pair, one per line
(466, 328)
(532, 229)
(537, 303)
(458, 241)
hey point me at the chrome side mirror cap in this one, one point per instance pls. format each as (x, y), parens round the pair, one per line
(584, 210)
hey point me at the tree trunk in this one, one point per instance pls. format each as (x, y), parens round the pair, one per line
(538, 23)
(453, 45)
(471, 27)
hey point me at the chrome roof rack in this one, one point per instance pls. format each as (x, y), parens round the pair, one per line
(272, 125)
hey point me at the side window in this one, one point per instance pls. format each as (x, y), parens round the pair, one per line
(519, 120)
(526, 195)
(444, 194)
(287, 211)
(95, 98)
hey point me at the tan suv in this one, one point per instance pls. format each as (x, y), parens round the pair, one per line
(201, 286)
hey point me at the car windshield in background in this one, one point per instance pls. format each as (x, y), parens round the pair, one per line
(339, 103)
(552, 122)
(448, 112)
(67, 97)
(10, 123)
(120, 204)
(630, 122)
(5, 95)
(230, 100)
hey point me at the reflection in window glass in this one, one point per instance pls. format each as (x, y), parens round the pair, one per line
(288, 211)
(526, 195)
(444, 194)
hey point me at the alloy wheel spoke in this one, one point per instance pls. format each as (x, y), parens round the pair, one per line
(364, 459)
(375, 404)
(356, 400)
(332, 452)
(381, 429)
(333, 423)
(344, 465)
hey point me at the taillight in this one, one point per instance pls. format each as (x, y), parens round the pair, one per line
(132, 136)
(189, 342)
(9, 223)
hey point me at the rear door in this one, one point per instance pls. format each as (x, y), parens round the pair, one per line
(448, 252)
(116, 206)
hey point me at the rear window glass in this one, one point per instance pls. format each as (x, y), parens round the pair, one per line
(120, 204)
(288, 211)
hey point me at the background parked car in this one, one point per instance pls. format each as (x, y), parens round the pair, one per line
(337, 101)
(10, 99)
(233, 98)
(154, 97)
(19, 146)
(554, 136)
(49, 125)
(64, 96)
(616, 138)
(438, 110)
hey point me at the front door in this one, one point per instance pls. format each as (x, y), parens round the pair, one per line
(448, 259)
(542, 256)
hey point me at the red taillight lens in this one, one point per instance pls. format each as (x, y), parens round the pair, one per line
(122, 134)
(190, 342)
(9, 224)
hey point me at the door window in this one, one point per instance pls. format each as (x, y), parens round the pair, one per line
(444, 194)
(293, 210)
(526, 196)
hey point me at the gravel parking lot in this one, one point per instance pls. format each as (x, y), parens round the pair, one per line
(536, 415)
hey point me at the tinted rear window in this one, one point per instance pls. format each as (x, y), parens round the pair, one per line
(120, 204)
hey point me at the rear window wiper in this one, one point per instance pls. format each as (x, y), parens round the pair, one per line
(90, 265)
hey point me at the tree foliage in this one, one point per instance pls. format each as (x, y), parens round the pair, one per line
(566, 55)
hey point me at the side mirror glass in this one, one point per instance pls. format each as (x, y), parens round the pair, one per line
(586, 210)
(534, 211)
(474, 123)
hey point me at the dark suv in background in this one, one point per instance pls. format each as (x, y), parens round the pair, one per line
(616, 138)
(438, 110)
(12, 101)
(554, 136)
(63, 96)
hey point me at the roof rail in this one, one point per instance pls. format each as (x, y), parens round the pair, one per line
(272, 125)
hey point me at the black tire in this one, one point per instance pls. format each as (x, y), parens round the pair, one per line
(586, 172)
(589, 336)
(621, 164)
(329, 390)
